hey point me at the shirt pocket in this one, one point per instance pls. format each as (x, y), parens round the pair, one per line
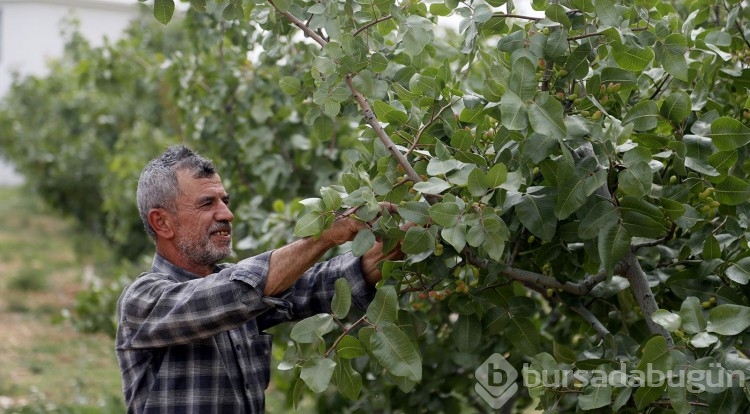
(261, 358)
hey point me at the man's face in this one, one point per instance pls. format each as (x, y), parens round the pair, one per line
(204, 229)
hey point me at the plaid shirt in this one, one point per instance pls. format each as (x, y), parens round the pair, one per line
(190, 344)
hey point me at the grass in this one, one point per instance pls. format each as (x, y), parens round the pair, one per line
(47, 366)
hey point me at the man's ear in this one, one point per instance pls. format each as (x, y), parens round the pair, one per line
(162, 223)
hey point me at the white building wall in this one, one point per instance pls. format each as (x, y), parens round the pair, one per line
(30, 30)
(30, 35)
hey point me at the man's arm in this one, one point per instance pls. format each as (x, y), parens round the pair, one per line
(291, 261)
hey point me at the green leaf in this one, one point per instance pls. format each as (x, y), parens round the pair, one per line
(416, 36)
(395, 352)
(728, 134)
(572, 191)
(732, 191)
(342, 298)
(595, 396)
(198, 5)
(656, 358)
(608, 12)
(728, 319)
(233, 11)
(673, 209)
(722, 161)
(163, 10)
(312, 328)
(646, 395)
(739, 272)
(537, 147)
(557, 13)
(557, 46)
(317, 373)
(522, 333)
(495, 320)
(290, 85)
(432, 186)
(673, 60)
(641, 218)
(349, 347)
(416, 212)
(523, 79)
(387, 113)
(348, 381)
(384, 307)
(331, 198)
(692, 317)
(467, 333)
(462, 140)
(445, 214)
(513, 112)
(496, 176)
(602, 215)
(636, 179)
(443, 167)
(676, 107)
(669, 320)
(711, 248)
(643, 116)
(455, 236)
(417, 240)
(537, 214)
(613, 243)
(310, 224)
(477, 182)
(546, 116)
(631, 57)
(363, 241)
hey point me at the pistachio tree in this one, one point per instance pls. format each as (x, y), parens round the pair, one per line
(577, 181)
(574, 176)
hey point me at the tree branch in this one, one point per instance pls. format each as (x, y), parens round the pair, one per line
(517, 16)
(579, 289)
(302, 26)
(372, 120)
(372, 23)
(589, 317)
(630, 268)
(643, 294)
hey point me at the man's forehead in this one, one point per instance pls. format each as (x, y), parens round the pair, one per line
(190, 185)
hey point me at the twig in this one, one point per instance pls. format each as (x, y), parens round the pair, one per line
(657, 242)
(517, 16)
(429, 123)
(299, 23)
(372, 23)
(372, 120)
(589, 317)
(343, 334)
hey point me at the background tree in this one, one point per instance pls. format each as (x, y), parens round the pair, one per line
(578, 181)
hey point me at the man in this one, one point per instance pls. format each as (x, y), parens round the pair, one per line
(191, 331)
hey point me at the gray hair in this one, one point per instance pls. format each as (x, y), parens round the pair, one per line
(158, 186)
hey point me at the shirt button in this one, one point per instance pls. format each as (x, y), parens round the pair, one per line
(237, 347)
(247, 386)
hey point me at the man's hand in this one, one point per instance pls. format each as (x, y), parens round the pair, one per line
(346, 227)
(374, 256)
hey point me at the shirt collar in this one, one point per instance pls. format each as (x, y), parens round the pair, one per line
(162, 265)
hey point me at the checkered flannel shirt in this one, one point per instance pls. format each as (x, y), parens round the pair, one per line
(190, 344)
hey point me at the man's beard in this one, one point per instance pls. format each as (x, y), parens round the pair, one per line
(199, 249)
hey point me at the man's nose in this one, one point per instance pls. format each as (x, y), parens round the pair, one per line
(224, 213)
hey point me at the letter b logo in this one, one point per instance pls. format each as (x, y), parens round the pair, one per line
(496, 381)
